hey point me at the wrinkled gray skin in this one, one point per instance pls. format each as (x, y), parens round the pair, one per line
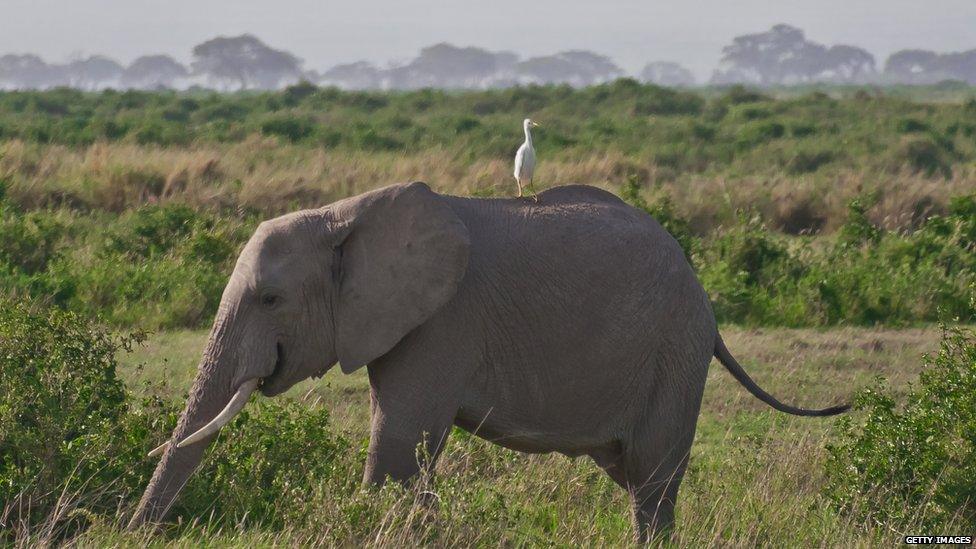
(573, 324)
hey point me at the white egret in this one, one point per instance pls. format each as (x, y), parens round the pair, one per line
(525, 158)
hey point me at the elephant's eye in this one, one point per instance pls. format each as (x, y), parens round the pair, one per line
(270, 300)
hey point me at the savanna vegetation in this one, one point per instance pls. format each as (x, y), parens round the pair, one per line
(121, 215)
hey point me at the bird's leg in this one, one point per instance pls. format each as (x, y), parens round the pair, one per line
(535, 195)
(519, 183)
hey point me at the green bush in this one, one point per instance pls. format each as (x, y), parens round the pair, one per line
(28, 242)
(738, 95)
(807, 160)
(914, 462)
(291, 128)
(923, 154)
(265, 465)
(154, 267)
(73, 438)
(858, 230)
(752, 250)
(665, 101)
(66, 426)
(152, 230)
(868, 276)
(756, 133)
(911, 125)
(748, 273)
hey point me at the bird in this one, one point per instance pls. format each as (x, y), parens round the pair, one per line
(525, 158)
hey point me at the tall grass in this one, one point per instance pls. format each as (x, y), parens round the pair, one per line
(798, 160)
(287, 472)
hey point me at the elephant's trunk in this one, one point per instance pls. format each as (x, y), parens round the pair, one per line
(212, 391)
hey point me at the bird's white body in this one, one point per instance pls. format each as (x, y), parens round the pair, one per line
(525, 158)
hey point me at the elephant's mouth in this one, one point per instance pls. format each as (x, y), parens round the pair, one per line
(269, 382)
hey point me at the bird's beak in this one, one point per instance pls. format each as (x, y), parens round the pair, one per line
(536, 124)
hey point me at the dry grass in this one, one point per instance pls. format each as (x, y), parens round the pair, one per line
(266, 176)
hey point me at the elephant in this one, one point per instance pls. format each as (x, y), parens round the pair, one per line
(571, 323)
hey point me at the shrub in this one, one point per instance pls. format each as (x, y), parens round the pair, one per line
(73, 440)
(807, 160)
(753, 112)
(159, 131)
(294, 94)
(664, 101)
(65, 423)
(858, 230)
(750, 249)
(28, 242)
(802, 129)
(371, 140)
(158, 266)
(756, 133)
(291, 128)
(910, 125)
(264, 466)
(152, 230)
(738, 94)
(923, 154)
(223, 110)
(914, 462)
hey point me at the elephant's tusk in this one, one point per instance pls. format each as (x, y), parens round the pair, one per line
(235, 405)
(157, 451)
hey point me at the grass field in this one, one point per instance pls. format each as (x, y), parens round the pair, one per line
(833, 228)
(755, 476)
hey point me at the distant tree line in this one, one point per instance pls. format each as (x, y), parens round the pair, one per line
(780, 56)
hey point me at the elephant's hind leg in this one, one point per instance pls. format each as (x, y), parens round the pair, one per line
(653, 501)
(653, 490)
(651, 464)
(658, 456)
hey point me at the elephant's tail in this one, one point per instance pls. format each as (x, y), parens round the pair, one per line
(725, 357)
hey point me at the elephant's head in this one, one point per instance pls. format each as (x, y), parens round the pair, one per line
(342, 283)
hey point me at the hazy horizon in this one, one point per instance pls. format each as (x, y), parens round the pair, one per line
(631, 32)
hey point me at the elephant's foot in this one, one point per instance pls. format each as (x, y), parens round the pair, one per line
(653, 521)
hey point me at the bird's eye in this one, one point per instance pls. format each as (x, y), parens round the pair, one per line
(270, 300)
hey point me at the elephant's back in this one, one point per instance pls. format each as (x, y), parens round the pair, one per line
(575, 297)
(576, 236)
(569, 220)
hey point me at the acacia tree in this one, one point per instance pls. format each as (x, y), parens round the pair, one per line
(245, 62)
(666, 73)
(26, 71)
(92, 73)
(929, 67)
(576, 67)
(153, 71)
(448, 66)
(783, 55)
(361, 75)
(849, 64)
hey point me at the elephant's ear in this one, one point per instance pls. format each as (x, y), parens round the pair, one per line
(402, 259)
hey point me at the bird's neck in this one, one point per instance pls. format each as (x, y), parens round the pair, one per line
(528, 134)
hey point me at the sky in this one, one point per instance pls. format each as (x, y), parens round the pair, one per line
(325, 33)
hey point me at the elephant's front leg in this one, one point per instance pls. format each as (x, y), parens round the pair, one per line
(409, 427)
